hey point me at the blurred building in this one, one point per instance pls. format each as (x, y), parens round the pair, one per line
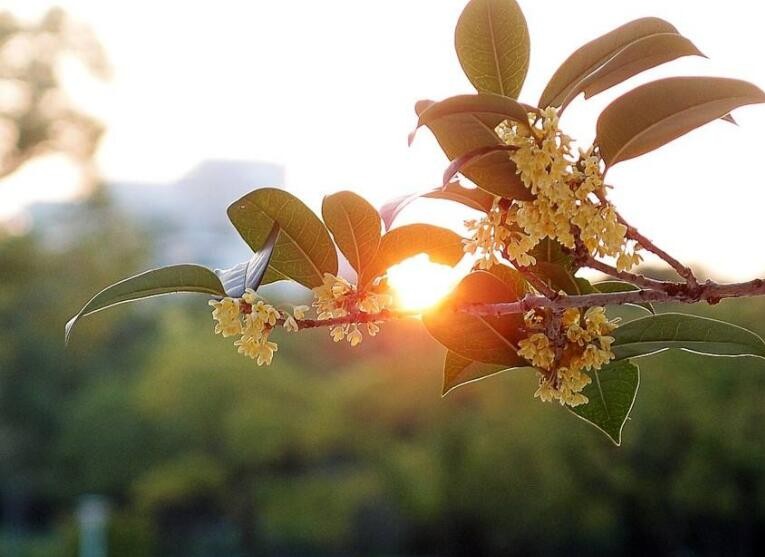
(186, 219)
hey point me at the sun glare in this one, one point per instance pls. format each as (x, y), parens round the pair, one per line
(418, 283)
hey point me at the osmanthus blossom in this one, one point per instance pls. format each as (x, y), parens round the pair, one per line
(586, 346)
(253, 319)
(568, 201)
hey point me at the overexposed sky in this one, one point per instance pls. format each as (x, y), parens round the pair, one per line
(327, 89)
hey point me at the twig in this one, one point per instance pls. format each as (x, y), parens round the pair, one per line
(634, 234)
(638, 280)
(710, 292)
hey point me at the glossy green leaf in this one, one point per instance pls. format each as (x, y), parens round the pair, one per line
(492, 42)
(656, 333)
(460, 371)
(355, 226)
(484, 339)
(304, 251)
(441, 246)
(165, 280)
(559, 277)
(658, 112)
(609, 286)
(499, 106)
(638, 56)
(472, 157)
(554, 266)
(462, 133)
(512, 278)
(250, 273)
(612, 394)
(594, 54)
(475, 198)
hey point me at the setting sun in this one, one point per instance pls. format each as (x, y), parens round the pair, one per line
(419, 283)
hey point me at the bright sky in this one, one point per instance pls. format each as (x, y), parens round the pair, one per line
(327, 89)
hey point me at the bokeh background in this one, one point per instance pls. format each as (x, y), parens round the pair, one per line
(125, 131)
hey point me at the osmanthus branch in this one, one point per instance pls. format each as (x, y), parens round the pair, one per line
(634, 234)
(358, 317)
(710, 292)
(637, 280)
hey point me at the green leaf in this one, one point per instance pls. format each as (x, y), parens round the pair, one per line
(355, 225)
(249, 274)
(658, 112)
(608, 286)
(512, 278)
(475, 198)
(656, 333)
(471, 157)
(558, 277)
(612, 394)
(440, 244)
(304, 251)
(638, 56)
(498, 106)
(490, 340)
(492, 42)
(556, 268)
(460, 371)
(462, 133)
(165, 280)
(594, 54)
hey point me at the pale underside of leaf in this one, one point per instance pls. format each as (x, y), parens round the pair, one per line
(656, 113)
(492, 43)
(303, 252)
(155, 282)
(594, 54)
(657, 333)
(250, 273)
(611, 398)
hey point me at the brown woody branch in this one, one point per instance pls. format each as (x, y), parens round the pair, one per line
(634, 234)
(710, 292)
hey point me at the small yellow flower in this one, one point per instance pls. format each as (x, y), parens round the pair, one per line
(226, 313)
(587, 347)
(290, 324)
(338, 333)
(251, 318)
(336, 297)
(354, 335)
(300, 311)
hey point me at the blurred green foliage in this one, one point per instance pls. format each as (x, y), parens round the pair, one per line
(335, 450)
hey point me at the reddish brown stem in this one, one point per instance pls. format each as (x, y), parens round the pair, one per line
(710, 292)
(634, 234)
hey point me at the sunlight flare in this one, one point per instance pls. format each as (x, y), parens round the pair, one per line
(418, 283)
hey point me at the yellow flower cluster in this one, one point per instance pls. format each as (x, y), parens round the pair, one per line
(566, 195)
(253, 319)
(496, 234)
(337, 297)
(585, 345)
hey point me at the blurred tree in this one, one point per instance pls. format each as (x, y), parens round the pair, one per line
(36, 115)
